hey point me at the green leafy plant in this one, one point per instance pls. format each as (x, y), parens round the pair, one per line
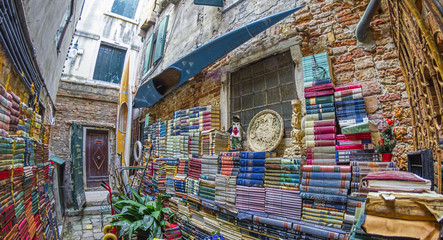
(140, 215)
(388, 138)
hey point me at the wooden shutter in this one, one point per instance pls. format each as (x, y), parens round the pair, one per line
(78, 190)
(216, 3)
(148, 53)
(109, 64)
(161, 38)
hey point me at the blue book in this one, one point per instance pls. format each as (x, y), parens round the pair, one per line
(322, 110)
(320, 106)
(324, 190)
(327, 175)
(355, 142)
(318, 82)
(356, 116)
(252, 162)
(250, 182)
(324, 197)
(325, 183)
(350, 107)
(348, 112)
(255, 155)
(252, 169)
(256, 176)
(315, 203)
(350, 102)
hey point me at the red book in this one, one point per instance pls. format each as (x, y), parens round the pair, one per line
(320, 130)
(327, 136)
(319, 93)
(321, 123)
(395, 175)
(354, 147)
(320, 87)
(337, 89)
(348, 92)
(358, 136)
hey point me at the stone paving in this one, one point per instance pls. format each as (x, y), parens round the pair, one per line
(76, 228)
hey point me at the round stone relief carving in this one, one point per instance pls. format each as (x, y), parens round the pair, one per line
(265, 131)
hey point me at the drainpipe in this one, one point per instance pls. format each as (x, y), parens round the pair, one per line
(363, 26)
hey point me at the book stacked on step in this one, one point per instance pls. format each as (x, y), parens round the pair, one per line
(194, 120)
(282, 173)
(252, 169)
(361, 169)
(320, 110)
(194, 144)
(324, 191)
(351, 206)
(207, 187)
(209, 118)
(350, 105)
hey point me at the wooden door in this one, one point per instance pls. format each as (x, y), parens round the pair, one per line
(96, 158)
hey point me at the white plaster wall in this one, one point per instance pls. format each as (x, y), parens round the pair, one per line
(99, 25)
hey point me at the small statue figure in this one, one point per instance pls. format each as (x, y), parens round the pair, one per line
(236, 133)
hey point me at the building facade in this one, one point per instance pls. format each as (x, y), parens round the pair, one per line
(88, 92)
(266, 72)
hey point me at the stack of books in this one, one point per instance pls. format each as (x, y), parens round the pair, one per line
(251, 198)
(214, 142)
(283, 203)
(194, 144)
(325, 186)
(320, 110)
(207, 187)
(14, 114)
(229, 163)
(192, 186)
(161, 175)
(209, 165)
(6, 205)
(226, 179)
(171, 169)
(361, 169)
(350, 105)
(397, 181)
(27, 188)
(252, 169)
(194, 168)
(351, 207)
(19, 201)
(194, 120)
(209, 118)
(161, 138)
(282, 173)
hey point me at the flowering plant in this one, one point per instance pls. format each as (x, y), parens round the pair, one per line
(388, 139)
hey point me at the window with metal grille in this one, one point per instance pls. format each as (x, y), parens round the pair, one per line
(109, 65)
(125, 8)
(267, 84)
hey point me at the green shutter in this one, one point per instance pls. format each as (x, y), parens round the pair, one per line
(161, 38)
(216, 3)
(148, 53)
(109, 64)
(125, 8)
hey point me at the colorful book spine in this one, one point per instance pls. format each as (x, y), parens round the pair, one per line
(327, 149)
(312, 168)
(320, 143)
(320, 106)
(320, 116)
(250, 182)
(252, 162)
(318, 93)
(349, 102)
(320, 155)
(357, 136)
(321, 161)
(355, 147)
(354, 86)
(349, 97)
(255, 155)
(374, 164)
(320, 100)
(323, 197)
(324, 190)
(256, 176)
(318, 82)
(320, 130)
(330, 136)
(327, 175)
(344, 142)
(321, 110)
(252, 169)
(325, 183)
(347, 92)
(322, 123)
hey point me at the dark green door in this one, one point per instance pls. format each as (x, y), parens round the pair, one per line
(78, 190)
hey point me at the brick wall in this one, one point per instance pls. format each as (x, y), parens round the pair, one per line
(321, 26)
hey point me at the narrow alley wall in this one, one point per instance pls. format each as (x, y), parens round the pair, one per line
(322, 26)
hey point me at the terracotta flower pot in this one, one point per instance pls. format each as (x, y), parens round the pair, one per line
(386, 157)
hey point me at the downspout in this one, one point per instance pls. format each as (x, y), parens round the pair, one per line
(362, 28)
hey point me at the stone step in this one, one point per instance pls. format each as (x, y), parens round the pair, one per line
(88, 211)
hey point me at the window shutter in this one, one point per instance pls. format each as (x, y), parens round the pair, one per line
(109, 64)
(216, 3)
(161, 38)
(148, 54)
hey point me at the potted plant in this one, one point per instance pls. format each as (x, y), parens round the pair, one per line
(387, 142)
(140, 215)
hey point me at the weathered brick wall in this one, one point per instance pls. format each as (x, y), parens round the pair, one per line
(323, 25)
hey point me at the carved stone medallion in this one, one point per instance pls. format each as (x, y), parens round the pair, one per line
(265, 131)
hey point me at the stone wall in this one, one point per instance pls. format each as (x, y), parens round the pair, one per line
(323, 25)
(90, 105)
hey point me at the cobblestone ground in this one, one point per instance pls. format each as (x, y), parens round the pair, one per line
(84, 227)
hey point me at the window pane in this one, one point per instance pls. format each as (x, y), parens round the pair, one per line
(287, 110)
(247, 101)
(273, 95)
(109, 64)
(248, 116)
(125, 8)
(258, 84)
(275, 107)
(235, 90)
(287, 92)
(246, 87)
(236, 103)
(286, 75)
(271, 80)
(259, 99)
